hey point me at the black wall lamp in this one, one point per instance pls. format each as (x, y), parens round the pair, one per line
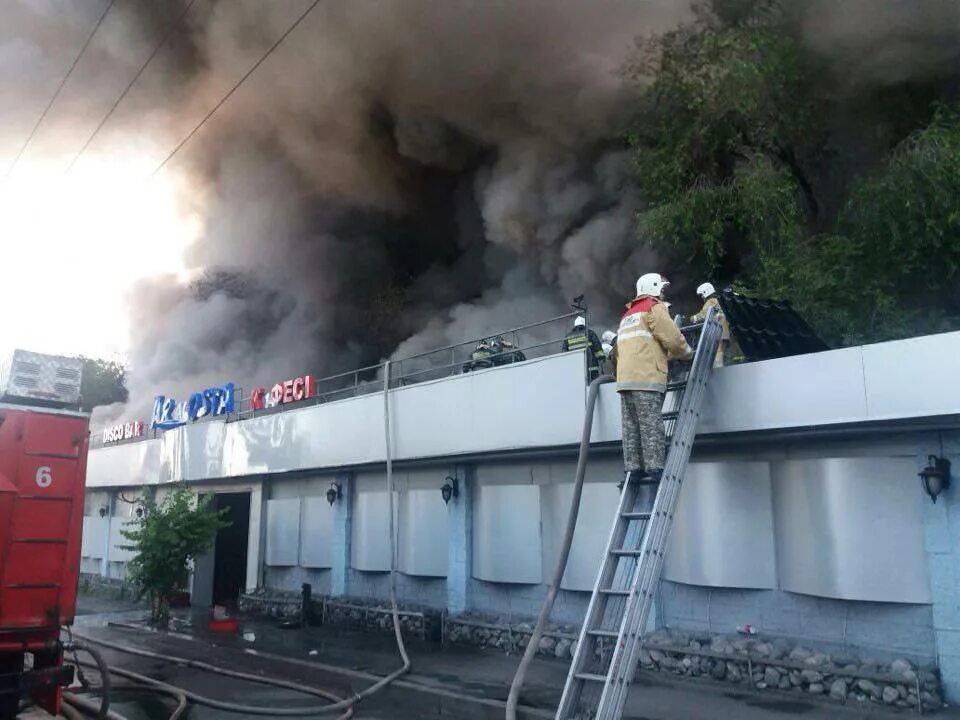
(103, 511)
(334, 493)
(450, 489)
(935, 476)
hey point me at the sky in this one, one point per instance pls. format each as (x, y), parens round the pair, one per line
(73, 243)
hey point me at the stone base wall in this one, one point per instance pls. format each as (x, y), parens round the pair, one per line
(787, 667)
(747, 661)
(366, 614)
(108, 587)
(558, 640)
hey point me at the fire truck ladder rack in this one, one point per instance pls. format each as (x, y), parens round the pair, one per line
(609, 645)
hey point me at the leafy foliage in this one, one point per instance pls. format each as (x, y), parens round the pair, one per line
(728, 141)
(166, 539)
(892, 269)
(102, 382)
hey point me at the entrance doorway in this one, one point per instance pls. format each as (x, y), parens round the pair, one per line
(230, 548)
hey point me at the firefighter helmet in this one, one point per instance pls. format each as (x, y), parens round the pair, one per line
(706, 290)
(581, 321)
(651, 284)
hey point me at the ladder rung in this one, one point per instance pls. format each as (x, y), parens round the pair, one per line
(636, 515)
(612, 591)
(671, 415)
(694, 326)
(590, 677)
(626, 553)
(604, 633)
(678, 385)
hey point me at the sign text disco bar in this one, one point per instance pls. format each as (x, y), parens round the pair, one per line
(123, 431)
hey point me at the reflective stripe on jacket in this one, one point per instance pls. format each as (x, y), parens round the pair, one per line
(646, 338)
(580, 338)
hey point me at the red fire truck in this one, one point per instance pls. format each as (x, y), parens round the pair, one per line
(43, 457)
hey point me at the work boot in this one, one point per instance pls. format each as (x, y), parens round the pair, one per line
(629, 476)
(652, 476)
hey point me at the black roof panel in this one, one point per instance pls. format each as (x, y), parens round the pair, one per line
(767, 329)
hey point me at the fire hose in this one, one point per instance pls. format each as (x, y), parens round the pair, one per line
(531, 650)
(182, 695)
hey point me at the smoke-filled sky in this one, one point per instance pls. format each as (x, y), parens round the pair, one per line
(399, 175)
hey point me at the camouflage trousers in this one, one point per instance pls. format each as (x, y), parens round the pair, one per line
(644, 439)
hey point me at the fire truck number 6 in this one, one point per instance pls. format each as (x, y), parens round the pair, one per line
(44, 478)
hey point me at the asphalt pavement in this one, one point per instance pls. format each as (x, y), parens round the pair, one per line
(452, 682)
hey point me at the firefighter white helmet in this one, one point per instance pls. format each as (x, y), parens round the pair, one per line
(706, 290)
(651, 284)
(608, 336)
(580, 321)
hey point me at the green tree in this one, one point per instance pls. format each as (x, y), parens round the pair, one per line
(720, 143)
(892, 267)
(102, 382)
(167, 538)
(744, 185)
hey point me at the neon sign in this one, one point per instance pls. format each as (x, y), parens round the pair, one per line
(123, 431)
(299, 388)
(211, 402)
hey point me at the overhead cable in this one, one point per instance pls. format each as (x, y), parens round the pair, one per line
(240, 82)
(133, 81)
(76, 60)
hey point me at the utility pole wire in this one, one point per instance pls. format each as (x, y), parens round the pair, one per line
(133, 81)
(56, 94)
(240, 82)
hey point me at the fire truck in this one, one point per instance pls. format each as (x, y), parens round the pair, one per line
(43, 457)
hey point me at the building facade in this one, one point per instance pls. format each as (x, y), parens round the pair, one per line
(802, 515)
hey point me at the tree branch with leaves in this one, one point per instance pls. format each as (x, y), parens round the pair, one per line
(167, 538)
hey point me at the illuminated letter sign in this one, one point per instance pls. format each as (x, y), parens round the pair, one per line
(288, 391)
(211, 402)
(124, 431)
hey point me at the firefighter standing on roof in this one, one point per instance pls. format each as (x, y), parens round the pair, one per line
(581, 337)
(647, 338)
(708, 294)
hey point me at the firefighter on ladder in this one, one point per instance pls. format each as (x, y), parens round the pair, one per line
(646, 340)
(708, 294)
(581, 337)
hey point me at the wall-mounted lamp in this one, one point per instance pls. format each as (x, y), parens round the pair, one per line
(450, 489)
(103, 511)
(139, 511)
(334, 493)
(935, 476)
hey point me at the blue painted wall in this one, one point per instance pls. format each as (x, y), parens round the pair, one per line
(942, 543)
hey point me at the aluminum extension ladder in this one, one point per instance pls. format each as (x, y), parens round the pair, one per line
(610, 640)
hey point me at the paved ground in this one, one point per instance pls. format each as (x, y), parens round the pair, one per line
(461, 683)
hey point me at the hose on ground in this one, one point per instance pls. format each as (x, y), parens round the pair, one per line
(69, 712)
(88, 707)
(531, 650)
(337, 703)
(101, 664)
(175, 694)
(183, 695)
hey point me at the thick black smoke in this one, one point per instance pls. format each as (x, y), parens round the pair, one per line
(401, 175)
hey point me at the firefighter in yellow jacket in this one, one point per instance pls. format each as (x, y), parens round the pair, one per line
(646, 340)
(708, 294)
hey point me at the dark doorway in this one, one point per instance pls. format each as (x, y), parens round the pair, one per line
(230, 548)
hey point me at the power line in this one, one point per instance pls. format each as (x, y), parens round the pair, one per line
(56, 94)
(133, 81)
(240, 82)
